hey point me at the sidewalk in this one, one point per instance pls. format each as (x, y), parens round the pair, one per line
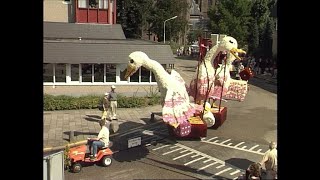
(84, 123)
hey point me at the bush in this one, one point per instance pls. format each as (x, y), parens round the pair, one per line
(62, 102)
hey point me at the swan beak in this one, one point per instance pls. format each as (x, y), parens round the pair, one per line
(235, 52)
(129, 72)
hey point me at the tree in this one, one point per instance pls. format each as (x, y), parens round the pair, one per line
(133, 16)
(193, 35)
(260, 11)
(253, 40)
(231, 17)
(267, 38)
(164, 9)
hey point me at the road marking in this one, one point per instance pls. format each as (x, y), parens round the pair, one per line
(207, 166)
(253, 147)
(225, 141)
(244, 147)
(182, 156)
(184, 151)
(216, 141)
(236, 147)
(161, 147)
(218, 167)
(200, 153)
(195, 160)
(229, 144)
(222, 171)
(172, 151)
(238, 144)
(211, 138)
(207, 160)
(195, 155)
(173, 147)
(235, 172)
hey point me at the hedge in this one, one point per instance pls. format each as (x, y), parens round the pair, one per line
(62, 102)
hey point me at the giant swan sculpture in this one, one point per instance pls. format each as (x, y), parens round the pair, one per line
(176, 106)
(199, 87)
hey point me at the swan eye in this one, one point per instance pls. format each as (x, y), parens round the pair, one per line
(131, 61)
(231, 41)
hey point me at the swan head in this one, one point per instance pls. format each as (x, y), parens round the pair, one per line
(137, 59)
(230, 44)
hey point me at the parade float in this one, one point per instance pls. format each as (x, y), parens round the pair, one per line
(186, 119)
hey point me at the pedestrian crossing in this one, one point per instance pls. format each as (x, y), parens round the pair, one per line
(197, 161)
(238, 145)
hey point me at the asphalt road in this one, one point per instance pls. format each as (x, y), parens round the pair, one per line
(225, 153)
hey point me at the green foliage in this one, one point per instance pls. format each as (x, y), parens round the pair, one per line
(52, 103)
(266, 44)
(193, 35)
(134, 14)
(67, 160)
(231, 17)
(253, 40)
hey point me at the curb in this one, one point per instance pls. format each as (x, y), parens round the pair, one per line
(82, 142)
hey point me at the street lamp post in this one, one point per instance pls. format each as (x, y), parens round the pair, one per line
(164, 28)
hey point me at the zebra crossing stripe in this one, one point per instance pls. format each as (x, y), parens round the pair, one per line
(195, 155)
(225, 141)
(222, 171)
(207, 160)
(161, 147)
(253, 147)
(235, 172)
(238, 144)
(172, 151)
(235, 147)
(184, 151)
(211, 138)
(195, 160)
(182, 156)
(220, 166)
(207, 166)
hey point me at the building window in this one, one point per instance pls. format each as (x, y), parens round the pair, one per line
(98, 72)
(86, 72)
(93, 3)
(145, 75)
(60, 72)
(82, 3)
(111, 73)
(135, 77)
(47, 72)
(103, 4)
(74, 72)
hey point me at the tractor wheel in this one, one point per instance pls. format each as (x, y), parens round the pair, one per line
(76, 167)
(106, 161)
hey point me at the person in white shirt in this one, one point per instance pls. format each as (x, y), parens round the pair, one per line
(270, 161)
(101, 141)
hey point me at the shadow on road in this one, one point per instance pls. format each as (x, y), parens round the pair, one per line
(263, 84)
(132, 154)
(239, 163)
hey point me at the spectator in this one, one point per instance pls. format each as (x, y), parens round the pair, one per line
(269, 161)
(105, 105)
(113, 103)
